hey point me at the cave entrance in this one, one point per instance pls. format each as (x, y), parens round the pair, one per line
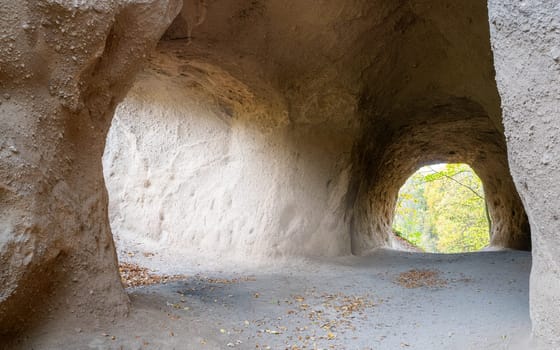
(171, 169)
(441, 208)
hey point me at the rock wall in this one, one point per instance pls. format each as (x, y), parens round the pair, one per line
(324, 128)
(261, 128)
(199, 161)
(434, 99)
(526, 45)
(460, 134)
(63, 68)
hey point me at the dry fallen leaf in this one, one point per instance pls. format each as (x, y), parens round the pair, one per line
(133, 275)
(421, 278)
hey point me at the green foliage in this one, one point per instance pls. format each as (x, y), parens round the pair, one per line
(414, 238)
(442, 209)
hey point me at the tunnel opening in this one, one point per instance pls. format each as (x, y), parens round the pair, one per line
(204, 166)
(249, 151)
(442, 208)
(217, 156)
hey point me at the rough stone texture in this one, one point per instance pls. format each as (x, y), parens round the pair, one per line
(64, 65)
(460, 134)
(288, 88)
(199, 161)
(261, 128)
(526, 44)
(417, 107)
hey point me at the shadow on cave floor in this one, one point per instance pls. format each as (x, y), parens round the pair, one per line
(389, 300)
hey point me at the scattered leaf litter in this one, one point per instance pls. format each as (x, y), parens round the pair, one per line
(421, 278)
(133, 275)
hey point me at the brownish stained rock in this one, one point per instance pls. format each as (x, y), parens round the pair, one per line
(327, 107)
(63, 69)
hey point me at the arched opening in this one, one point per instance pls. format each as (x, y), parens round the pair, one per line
(308, 118)
(460, 133)
(441, 208)
(204, 164)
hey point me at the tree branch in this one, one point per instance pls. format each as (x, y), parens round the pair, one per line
(460, 183)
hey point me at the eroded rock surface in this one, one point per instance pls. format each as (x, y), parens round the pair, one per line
(259, 129)
(286, 128)
(200, 160)
(64, 66)
(526, 44)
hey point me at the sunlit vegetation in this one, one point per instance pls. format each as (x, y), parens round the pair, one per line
(441, 209)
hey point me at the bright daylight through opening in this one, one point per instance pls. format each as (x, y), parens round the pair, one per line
(441, 209)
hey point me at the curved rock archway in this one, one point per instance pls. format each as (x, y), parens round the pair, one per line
(200, 161)
(64, 68)
(457, 132)
(349, 97)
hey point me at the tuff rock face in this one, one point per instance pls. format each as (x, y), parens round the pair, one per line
(526, 45)
(285, 128)
(261, 129)
(64, 66)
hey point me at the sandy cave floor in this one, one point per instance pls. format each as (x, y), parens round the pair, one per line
(390, 300)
